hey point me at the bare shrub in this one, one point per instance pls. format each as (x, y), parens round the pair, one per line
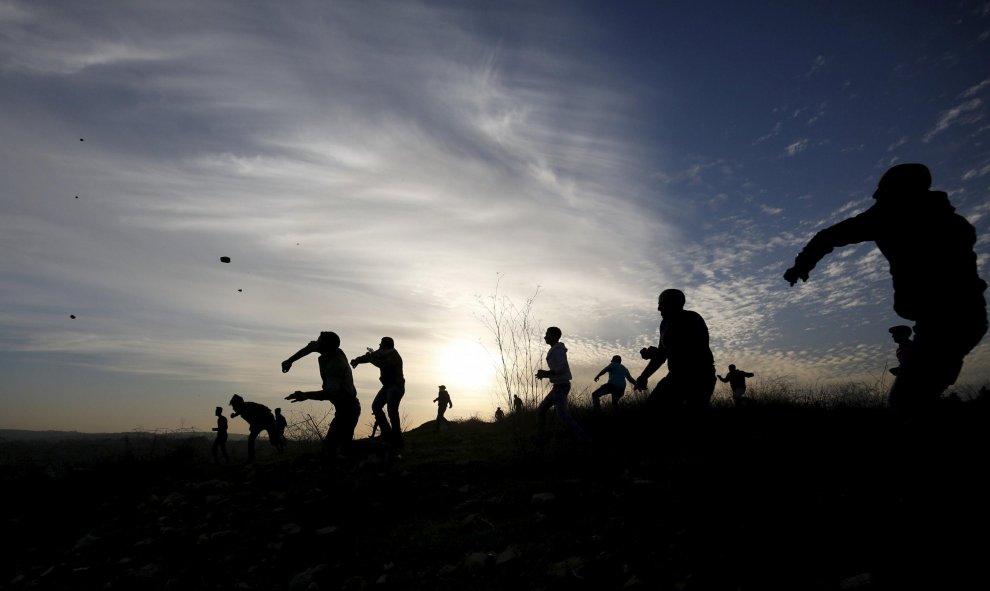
(302, 426)
(517, 335)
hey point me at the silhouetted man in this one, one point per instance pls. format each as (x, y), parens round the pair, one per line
(618, 375)
(337, 388)
(280, 425)
(559, 375)
(443, 403)
(259, 418)
(736, 378)
(683, 345)
(517, 403)
(220, 443)
(933, 266)
(902, 337)
(499, 414)
(389, 362)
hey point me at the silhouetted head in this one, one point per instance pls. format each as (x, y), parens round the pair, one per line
(732, 367)
(616, 359)
(278, 411)
(904, 178)
(387, 343)
(442, 387)
(900, 333)
(219, 411)
(236, 400)
(671, 301)
(329, 339)
(552, 335)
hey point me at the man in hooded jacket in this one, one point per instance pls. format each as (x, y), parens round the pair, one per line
(933, 267)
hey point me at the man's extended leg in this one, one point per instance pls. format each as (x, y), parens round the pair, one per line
(616, 395)
(560, 407)
(597, 394)
(252, 435)
(541, 414)
(393, 398)
(377, 406)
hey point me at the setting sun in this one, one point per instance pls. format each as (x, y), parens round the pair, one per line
(466, 365)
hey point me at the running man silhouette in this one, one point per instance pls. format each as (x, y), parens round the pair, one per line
(338, 389)
(618, 375)
(559, 375)
(736, 378)
(280, 425)
(933, 267)
(902, 336)
(259, 418)
(389, 362)
(683, 345)
(443, 403)
(220, 443)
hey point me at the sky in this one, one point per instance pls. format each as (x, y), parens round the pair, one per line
(380, 168)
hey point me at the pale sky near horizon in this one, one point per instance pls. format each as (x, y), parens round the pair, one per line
(372, 168)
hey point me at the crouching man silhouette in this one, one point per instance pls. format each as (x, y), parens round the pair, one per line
(259, 418)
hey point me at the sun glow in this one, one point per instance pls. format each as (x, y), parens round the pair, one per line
(467, 366)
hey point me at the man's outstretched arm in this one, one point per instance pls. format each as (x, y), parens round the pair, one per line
(299, 396)
(287, 364)
(861, 228)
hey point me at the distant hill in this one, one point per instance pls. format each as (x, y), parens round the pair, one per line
(28, 435)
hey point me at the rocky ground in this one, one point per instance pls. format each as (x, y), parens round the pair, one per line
(761, 498)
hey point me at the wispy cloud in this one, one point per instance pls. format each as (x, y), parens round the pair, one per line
(967, 112)
(976, 89)
(974, 173)
(904, 140)
(368, 175)
(796, 147)
(774, 132)
(370, 167)
(819, 63)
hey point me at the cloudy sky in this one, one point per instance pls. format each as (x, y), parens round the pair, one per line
(373, 168)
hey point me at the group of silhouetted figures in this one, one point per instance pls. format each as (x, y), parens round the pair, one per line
(338, 389)
(930, 250)
(933, 264)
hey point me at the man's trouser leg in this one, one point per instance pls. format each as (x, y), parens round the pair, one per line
(541, 412)
(252, 436)
(698, 393)
(664, 394)
(935, 359)
(377, 406)
(563, 413)
(347, 409)
(597, 394)
(393, 397)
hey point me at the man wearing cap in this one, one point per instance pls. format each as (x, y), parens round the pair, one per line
(443, 403)
(933, 267)
(618, 375)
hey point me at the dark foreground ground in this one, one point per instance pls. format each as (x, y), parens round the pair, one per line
(767, 497)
